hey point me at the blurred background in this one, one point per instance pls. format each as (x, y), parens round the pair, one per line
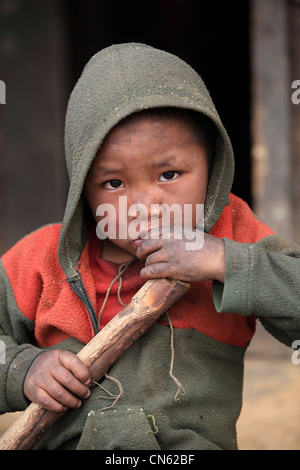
(248, 54)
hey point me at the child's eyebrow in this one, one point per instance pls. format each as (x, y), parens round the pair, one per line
(107, 171)
(169, 162)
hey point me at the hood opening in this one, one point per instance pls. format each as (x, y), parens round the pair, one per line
(119, 81)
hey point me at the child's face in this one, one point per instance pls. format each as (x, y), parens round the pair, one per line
(150, 161)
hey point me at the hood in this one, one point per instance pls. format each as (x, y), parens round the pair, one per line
(116, 82)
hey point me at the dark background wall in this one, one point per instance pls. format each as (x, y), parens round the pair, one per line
(212, 36)
(43, 48)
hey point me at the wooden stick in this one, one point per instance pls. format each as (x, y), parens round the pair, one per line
(149, 303)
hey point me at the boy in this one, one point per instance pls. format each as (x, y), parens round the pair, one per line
(141, 125)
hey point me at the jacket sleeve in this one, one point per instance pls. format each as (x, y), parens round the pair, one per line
(263, 279)
(17, 348)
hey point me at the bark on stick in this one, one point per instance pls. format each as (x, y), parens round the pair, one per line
(149, 303)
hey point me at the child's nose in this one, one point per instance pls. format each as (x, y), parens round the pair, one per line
(146, 197)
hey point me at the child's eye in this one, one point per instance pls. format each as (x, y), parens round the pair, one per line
(113, 184)
(168, 176)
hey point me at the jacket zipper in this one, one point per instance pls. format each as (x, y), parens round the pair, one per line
(79, 289)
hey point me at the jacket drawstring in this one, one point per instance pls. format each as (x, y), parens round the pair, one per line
(181, 390)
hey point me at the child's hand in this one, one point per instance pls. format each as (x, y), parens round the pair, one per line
(57, 380)
(170, 258)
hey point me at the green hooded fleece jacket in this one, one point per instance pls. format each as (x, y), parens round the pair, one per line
(47, 291)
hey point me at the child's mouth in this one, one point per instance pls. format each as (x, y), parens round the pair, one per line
(145, 230)
(143, 234)
(138, 242)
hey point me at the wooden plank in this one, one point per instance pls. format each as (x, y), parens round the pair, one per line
(270, 126)
(294, 53)
(33, 182)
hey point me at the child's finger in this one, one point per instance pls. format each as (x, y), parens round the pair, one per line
(44, 399)
(56, 397)
(76, 366)
(148, 247)
(156, 257)
(68, 380)
(158, 270)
